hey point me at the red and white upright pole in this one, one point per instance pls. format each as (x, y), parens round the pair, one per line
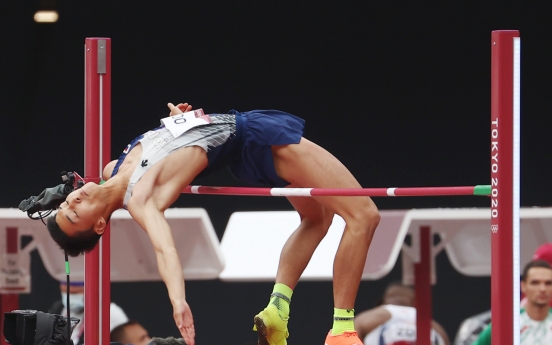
(505, 189)
(97, 151)
(9, 297)
(422, 286)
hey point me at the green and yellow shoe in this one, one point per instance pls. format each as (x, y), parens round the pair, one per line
(271, 328)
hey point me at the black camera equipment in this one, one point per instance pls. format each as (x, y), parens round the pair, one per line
(51, 198)
(31, 327)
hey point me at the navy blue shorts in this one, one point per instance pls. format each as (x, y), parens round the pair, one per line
(259, 130)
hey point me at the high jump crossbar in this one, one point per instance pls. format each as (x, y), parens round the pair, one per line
(374, 192)
(505, 110)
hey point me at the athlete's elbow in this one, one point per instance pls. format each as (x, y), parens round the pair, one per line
(166, 252)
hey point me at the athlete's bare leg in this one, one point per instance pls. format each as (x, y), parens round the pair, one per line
(298, 249)
(309, 165)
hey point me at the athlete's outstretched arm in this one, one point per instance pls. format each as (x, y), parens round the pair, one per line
(152, 220)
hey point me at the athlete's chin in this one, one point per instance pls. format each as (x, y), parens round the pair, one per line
(89, 188)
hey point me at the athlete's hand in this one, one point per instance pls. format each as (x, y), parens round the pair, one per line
(179, 109)
(184, 321)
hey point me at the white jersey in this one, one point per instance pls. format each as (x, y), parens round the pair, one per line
(400, 329)
(159, 143)
(535, 332)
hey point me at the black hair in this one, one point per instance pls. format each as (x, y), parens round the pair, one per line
(117, 334)
(398, 283)
(394, 283)
(168, 341)
(73, 246)
(531, 264)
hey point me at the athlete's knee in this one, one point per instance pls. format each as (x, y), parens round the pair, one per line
(319, 221)
(364, 220)
(326, 219)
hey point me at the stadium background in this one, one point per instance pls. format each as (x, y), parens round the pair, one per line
(399, 92)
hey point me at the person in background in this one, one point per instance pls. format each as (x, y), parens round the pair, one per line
(394, 321)
(471, 327)
(535, 320)
(543, 252)
(130, 332)
(76, 303)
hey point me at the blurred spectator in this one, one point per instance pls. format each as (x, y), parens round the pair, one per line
(394, 322)
(471, 327)
(130, 332)
(76, 303)
(536, 318)
(544, 252)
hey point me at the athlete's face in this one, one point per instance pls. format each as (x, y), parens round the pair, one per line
(538, 286)
(81, 211)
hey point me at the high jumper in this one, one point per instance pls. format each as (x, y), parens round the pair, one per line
(261, 147)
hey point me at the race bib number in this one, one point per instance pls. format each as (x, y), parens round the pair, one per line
(400, 334)
(181, 123)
